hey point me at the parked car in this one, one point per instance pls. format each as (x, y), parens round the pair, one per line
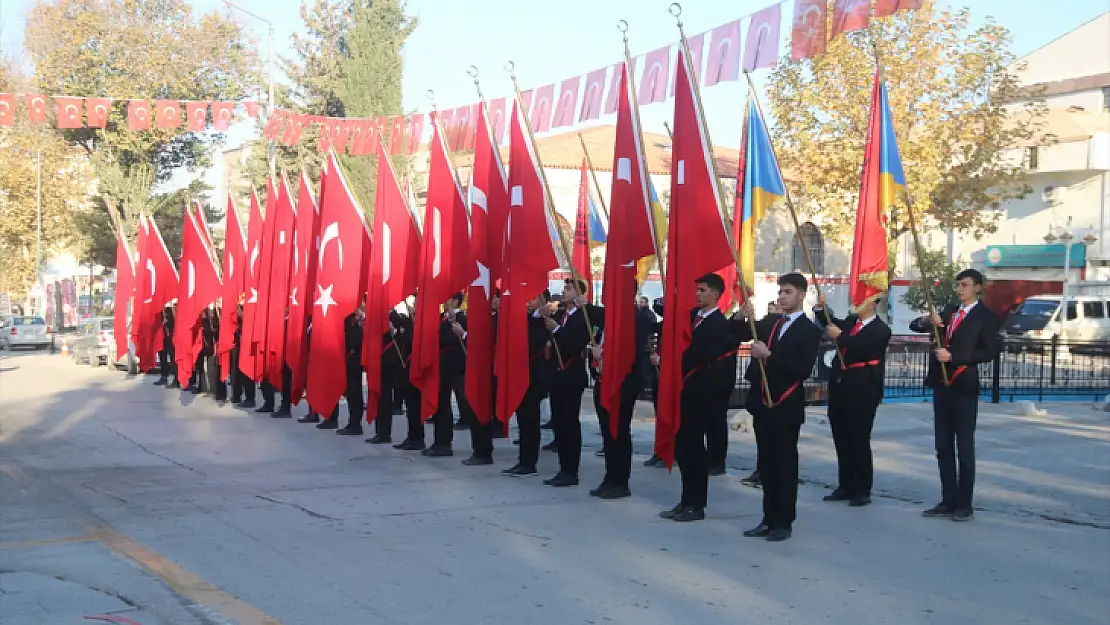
(25, 332)
(95, 342)
(1041, 317)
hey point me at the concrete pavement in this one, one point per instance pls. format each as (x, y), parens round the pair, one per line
(166, 508)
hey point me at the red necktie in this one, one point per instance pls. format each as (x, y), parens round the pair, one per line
(855, 330)
(774, 331)
(697, 322)
(955, 324)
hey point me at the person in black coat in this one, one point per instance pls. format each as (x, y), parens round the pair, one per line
(656, 336)
(481, 435)
(855, 392)
(352, 340)
(786, 345)
(392, 361)
(410, 395)
(452, 365)
(539, 383)
(570, 336)
(211, 330)
(167, 364)
(969, 337)
(242, 387)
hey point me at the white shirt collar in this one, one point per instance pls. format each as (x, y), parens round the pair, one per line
(792, 316)
(705, 313)
(864, 322)
(968, 308)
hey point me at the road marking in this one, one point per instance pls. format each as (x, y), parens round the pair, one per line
(30, 544)
(183, 581)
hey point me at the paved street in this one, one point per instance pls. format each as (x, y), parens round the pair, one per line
(125, 502)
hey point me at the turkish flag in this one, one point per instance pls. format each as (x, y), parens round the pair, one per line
(96, 110)
(657, 69)
(396, 135)
(630, 239)
(302, 277)
(393, 272)
(291, 133)
(455, 136)
(884, 8)
(761, 49)
(36, 109)
(125, 288)
(138, 115)
(849, 15)
(496, 120)
(529, 256)
(139, 331)
(542, 105)
(696, 44)
(68, 111)
(223, 113)
(199, 288)
(591, 96)
(277, 293)
(256, 225)
(197, 115)
(568, 98)
(235, 272)
(252, 108)
(7, 109)
(807, 37)
(337, 294)
(489, 208)
(580, 253)
(723, 64)
(260, 310)
(167, 113)
(446, 268)
(272, 129)
(697, 244)
(323, 140)
(340, 135)
(416, 132)
(158, 278)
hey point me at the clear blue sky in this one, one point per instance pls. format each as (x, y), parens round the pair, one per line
(550, 41)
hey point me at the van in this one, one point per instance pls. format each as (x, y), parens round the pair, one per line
(1039, 317)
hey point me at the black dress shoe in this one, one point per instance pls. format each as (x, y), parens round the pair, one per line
(779, 534)
(282, 413)
(551, 480)
(247, 405)
(438, 452)
(672, 513)
(837, 495)
(550, 447)
(174, 384)
(516, 441)
(759, 531)
(940, 510)
(689, 514)
(478, 461)
(160, 382)
(752, 480)
(350, 430)
(520, 471)
(311, 417)
(265, 408)
(562, 481)
(600, 453)
(718, 470)
(611, 491)
(236, 400)
(328, 424)
(379, 439)
(408, 445)
(547, 425)
(859, 501)
(654, 461)
(963, 514)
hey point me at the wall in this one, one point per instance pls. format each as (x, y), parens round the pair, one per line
(1084, 51)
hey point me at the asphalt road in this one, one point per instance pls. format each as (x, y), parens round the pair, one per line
(127, 502)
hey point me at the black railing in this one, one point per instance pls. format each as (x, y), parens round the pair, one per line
(1024, 368)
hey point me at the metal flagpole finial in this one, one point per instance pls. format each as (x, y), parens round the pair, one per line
(431, 97)
(472, 71)
(676, 10)
(622, 26)
(511, 68)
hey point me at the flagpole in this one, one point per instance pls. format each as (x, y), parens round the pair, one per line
(676, 11)
(632, 101)
(593, 175)
(793, 212)
(547, 199)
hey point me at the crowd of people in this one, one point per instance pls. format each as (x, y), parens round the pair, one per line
(566, 344)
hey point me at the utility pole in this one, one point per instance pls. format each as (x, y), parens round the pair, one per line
(271, 102)
(38, 218)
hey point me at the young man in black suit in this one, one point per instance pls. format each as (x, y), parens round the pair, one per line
(452, 363)
(701, 375)
(969, 337)
(786, 345)
(539, 382)
(481, 436)
(855, 392)
(570, 336)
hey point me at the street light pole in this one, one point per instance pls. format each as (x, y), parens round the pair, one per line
(271, 100)
(38, 218)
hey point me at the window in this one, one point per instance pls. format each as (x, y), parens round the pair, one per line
(1106, 99)
(28, 321)
(814, 244)
(107, 324)
(1032, 158)
(1072, 311)
(1093, 310)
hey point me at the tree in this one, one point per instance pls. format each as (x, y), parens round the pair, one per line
(155, 49)
(948, 86)
(935, 265)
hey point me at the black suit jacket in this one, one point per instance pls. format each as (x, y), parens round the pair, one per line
(538, 368)
(571, 338)
(974, 341)
(702, 360)
(352, 335)
(789, 365)
(452, 358)
(868, 346)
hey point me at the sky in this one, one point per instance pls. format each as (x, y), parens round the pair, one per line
(551, 41)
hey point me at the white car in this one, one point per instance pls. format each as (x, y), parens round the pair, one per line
(25, 332)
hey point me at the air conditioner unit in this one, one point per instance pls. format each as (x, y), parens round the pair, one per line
(1054, 195)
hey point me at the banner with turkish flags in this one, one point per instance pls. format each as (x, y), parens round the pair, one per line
(630, 239)
(96, 111)
(302, 277)
(69, 112)
(167, 114)
(36, 109)
(197, 115)
(849, 15)
(248, 362)
(446, 268)
(277, 292)
(223, 113)
(7, 109)
(337, 294)
(489, 208)
(235, 273)
(807, 39)
(393, 273)
(199, 287)
(697, 244)
(125, 288)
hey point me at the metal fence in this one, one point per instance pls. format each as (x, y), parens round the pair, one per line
(1034, 369)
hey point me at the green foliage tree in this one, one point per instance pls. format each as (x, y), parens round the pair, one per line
(940, 283)
(948, 84)
(154, 49)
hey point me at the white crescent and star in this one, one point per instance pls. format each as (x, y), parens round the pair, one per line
(192, 270)
(437, 231)
(325, 299)
(153, 280)
(331, 232)
(483, 279)
(385, 239)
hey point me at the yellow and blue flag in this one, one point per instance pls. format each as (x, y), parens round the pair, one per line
(761, 186)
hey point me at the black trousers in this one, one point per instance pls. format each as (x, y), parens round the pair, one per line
(287, 384)
(776, 441)
(215, 381)
(356, 402)
(164, 363)
(566, 411)
(199, 378)
(690, 451)
(268, 392)
(410, 399)
(443, 425)
(851, 417)
(242, 387)
(954, 418)
(716, 429)
(618, 451)
(528, 422)
(383, 419)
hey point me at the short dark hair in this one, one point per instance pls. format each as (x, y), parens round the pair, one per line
(973, 274)
(457, 297)
(546, 295)
(713, 282)
(796, 280)
(579, 285)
